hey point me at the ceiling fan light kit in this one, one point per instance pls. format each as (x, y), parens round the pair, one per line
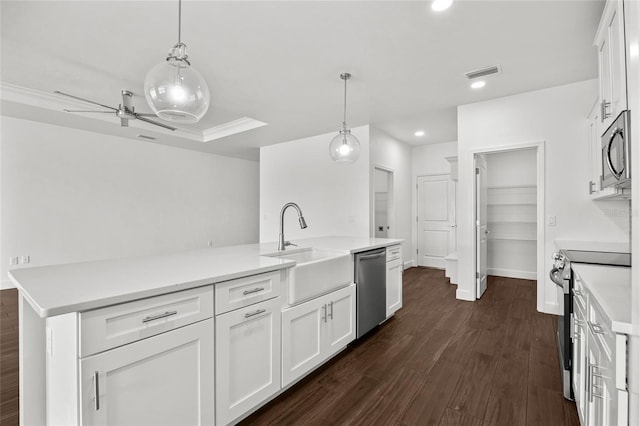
(174, 90)
(344, 147)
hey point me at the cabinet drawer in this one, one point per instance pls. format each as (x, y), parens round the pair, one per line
(246, 291)
(106, 328)
(394, 252)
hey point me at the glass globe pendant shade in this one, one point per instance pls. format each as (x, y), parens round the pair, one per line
(344, 147)
(175, 91)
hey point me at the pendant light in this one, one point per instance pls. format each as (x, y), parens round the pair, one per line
(174, 90)
(344, 147)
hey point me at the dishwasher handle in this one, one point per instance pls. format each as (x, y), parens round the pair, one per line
(372, 256)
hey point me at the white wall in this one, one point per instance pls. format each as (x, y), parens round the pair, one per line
(427, 160)
(333, 197)
(512, 168)
(70, 195)
(556, 116)
(391, 154)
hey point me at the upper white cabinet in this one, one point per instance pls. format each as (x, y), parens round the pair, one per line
(610, 43)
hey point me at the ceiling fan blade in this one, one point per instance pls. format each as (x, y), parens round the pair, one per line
(85, 100)
(124, 122)
(78, 110)
(146, 120)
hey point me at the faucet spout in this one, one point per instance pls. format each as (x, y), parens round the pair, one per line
(282, 243)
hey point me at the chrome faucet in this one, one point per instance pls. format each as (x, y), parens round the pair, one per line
(281, 241)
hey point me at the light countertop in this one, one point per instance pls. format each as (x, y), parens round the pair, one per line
(59, 289)
(605, 246)
(610, 286)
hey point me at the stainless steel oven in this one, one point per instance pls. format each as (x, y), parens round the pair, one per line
(616, 153)
(562, 275)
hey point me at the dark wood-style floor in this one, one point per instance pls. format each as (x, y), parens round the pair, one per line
(9, 379)
(440, 361)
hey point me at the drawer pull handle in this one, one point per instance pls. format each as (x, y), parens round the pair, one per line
(96, 389)
(157, 317)
(255, 290)
(252, 314)
(331, 309)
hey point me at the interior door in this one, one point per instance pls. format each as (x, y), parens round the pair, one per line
(481, 225)
(436, 220)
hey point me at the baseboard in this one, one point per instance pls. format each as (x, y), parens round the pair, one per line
(409, 264)
(512, 273)
(462, 294)
(6, 285)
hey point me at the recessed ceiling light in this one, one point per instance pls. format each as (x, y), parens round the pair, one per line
(419, 133)
(478, 84)
(440, 5)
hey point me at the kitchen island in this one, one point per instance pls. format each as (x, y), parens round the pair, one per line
(84, 325)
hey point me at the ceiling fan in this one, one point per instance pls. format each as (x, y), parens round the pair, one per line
(125, 111)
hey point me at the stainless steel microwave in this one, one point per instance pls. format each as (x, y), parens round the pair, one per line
(616, 154)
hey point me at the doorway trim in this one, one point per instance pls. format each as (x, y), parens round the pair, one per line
(540, 211)
(391, 205)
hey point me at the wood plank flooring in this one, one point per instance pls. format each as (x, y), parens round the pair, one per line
(9, 378)
(440, 361)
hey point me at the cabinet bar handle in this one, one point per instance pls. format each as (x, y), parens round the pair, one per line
(157, 317)
(255, 290)
(331, 310)
(253, 314)
(324, 313)
(96, 386)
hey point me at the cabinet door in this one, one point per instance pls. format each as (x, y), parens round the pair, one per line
(394, 286)
(247, 358)
(163, 380)
(302, 334)
(579, 363)
(612, 63)
(593, 383)
(341, 319)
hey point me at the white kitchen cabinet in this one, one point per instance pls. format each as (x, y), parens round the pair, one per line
(314, 330)
(610, 44)
(579, 361)
(99, 373)
(394, 286)
(163, 380)
(247, 358)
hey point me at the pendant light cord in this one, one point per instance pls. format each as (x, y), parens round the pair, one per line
(179, 20)
(344, 122)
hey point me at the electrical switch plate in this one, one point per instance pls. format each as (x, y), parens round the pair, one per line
(25, 259)
(210, 243)
(551, 221)
(13, 260)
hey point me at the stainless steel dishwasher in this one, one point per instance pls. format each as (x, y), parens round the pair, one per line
(371, 290)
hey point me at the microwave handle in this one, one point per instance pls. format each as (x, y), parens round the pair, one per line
(613, 170)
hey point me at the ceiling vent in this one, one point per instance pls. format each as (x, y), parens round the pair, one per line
(151, 138)
(482, 72)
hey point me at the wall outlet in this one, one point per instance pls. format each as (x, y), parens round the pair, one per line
(25, 259)
(13, 260)
(210, 243)
(551, 221)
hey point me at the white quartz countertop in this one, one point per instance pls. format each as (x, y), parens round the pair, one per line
(74, 287)
(610, 286)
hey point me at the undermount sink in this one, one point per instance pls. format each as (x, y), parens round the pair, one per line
(316, 272)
